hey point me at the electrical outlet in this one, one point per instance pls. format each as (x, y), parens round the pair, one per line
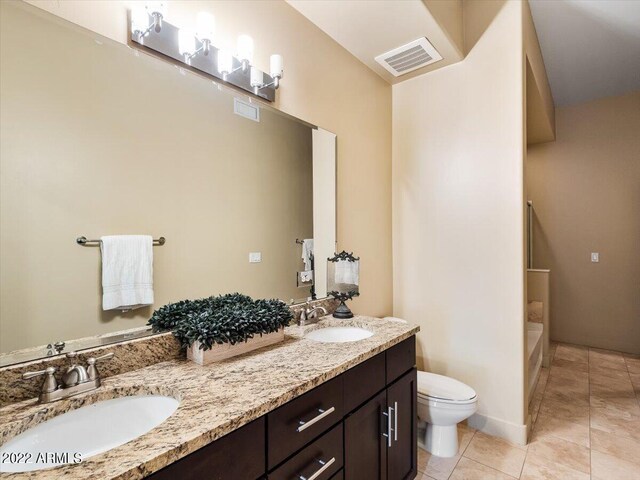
(595, 257)
(255, 257)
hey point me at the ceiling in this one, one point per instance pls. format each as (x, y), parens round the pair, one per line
(368, 28)
(591, 48)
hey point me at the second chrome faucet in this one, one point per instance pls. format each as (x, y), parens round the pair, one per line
(76, 378)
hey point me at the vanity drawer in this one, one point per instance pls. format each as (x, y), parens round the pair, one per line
(400, 359)
(327, 449)
(239, 455)
(319, 409)
(363, 381)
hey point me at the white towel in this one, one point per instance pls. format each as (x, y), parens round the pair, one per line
(127, 271)
(347, 272)
(307, 252)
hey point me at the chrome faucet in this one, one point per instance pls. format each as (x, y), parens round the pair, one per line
(76, 379)
(309, 314)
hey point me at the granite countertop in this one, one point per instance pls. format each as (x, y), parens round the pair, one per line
(214, 399)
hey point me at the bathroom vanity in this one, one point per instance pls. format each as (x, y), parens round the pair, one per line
(361, 424)
(300, 409)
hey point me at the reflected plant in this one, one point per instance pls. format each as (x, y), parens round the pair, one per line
(230, 318)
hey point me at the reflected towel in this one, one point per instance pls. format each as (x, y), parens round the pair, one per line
(127, 271)
(307, 253)
(347, 272)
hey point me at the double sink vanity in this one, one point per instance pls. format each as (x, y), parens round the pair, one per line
(335, 400)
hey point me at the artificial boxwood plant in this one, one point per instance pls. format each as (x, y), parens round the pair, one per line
(230, 318)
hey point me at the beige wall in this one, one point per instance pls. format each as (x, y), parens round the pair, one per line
(324, 85)
(585, 188)
(99, 141)
(458, 217)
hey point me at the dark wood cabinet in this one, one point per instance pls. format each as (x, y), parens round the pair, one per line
(323, 458)
(239, 455)
(298, 422)
(380, 437)
(365, 448)
(402, 455)
(361, 425)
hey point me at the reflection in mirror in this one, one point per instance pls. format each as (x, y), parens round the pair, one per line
(343, 274)
(99, 139)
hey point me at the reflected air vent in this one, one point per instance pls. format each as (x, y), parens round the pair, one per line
(247, 110)
(409, 57)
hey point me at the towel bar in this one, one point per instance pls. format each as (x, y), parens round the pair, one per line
(94, 243)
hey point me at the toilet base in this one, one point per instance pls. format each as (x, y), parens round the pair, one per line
(441, 441)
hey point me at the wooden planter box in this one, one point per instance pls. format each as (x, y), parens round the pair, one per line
(222, 352)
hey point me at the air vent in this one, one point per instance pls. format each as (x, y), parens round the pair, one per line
(247, 110)
(409, 57)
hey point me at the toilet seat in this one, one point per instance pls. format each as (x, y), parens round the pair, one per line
(440, 388)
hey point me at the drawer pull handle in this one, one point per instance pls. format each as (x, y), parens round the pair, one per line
(389, 428)
(323, 413)
(395, 421)
(320, 471)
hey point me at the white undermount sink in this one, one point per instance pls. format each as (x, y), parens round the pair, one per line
(338, 334)
(85, 432)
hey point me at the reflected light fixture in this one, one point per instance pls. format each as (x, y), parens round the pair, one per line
(147, 29)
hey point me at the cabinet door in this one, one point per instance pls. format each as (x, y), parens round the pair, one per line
(365, 448)
(403, 452)
(239, 455)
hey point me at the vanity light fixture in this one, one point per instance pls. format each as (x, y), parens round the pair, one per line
(206, 30)
(150, 28)
(275, 70)
(140, 18)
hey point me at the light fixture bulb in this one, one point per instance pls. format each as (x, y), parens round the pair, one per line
(225, 61)
(245, 48)
(275, 66)
(206, 25)
(256, 77)
(186, 41)
(139, 20)
(155, 6)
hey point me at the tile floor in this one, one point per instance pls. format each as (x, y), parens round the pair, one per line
(586, 426)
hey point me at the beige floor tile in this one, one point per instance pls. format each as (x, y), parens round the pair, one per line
(573, 353)
(424, 476)
(496, 453)
(568, 391)
(570, 372)
(569, 411)
(468, 469)
(550, 449)
(535, 469)
(606, 359)
(612, 421)
(625, 403)
(438, 467)
(635, 382)
(633, 363)
(610, 383)
(601, 373)
(616, 445)
(570, 365)
(607, 467)
(549, 425)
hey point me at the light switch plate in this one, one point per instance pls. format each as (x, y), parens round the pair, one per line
(595, 257)
(255, 257)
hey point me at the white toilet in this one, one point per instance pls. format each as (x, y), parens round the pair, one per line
(442, 403)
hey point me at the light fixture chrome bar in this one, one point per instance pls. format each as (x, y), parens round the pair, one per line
(165, 42)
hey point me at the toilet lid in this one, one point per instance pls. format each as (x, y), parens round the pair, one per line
(444, 388)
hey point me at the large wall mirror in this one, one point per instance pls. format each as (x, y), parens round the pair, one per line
(98, 138)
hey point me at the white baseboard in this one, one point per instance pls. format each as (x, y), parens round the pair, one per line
(511, 432)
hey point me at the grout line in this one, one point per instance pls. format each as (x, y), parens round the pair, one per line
(462, 454)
